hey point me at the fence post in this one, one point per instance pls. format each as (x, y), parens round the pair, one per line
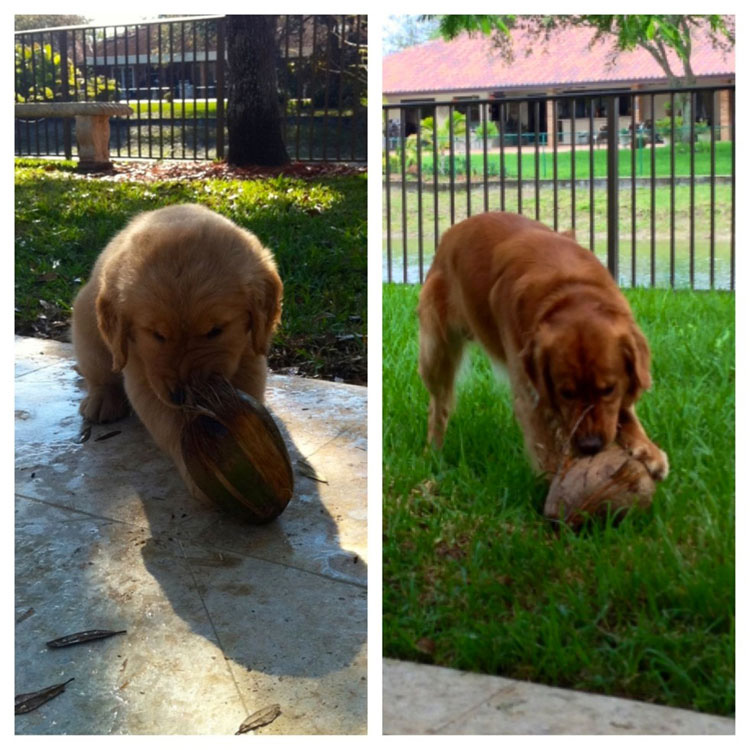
(65, 94)
(613, 186)
(220, 88)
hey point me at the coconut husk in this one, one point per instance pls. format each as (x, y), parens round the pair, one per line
(591, 485)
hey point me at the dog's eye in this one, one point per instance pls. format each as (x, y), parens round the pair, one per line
(568, 394)
(213, 333)
(158, 336)
(608, 390)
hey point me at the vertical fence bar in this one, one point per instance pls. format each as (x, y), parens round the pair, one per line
(536, 160)
(633, 227)
(653, 192)
(592, 178)
(340, 86)
(65, 93)
(299, 68)
(503, 111)
(326, 89)
(206, 87)
(220, 71)
(287, 85)
(356, 93)
(34, 79)
(128, 87)
(173, 87)
(693, 103)
(313, 87)
(733, 125)
(435, 180)
(712, 198)
(552, 127)
(519, 161)
(484, 110)
(467, 167)
(195, 71)
(672, 192)
(184, 75)
(404, 197)
(158, 90)
(388, 209)
(573, 136)
(613, 187)
(116, 120)
(137, 88)
(419, 195)
(452, 164)
(28, 121)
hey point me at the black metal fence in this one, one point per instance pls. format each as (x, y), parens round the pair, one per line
(174, 76)
(645, 178)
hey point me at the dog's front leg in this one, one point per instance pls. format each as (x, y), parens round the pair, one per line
(634, 439)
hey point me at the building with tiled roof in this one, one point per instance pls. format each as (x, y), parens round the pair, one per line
(471, 67)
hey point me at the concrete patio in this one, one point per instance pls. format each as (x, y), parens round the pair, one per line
(222, 619)
(424, 699)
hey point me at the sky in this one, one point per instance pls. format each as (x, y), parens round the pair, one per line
(395, 28)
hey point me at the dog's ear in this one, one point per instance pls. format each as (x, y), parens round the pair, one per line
(113, 328)
(535, 360)
(637, 361)
(264, 298)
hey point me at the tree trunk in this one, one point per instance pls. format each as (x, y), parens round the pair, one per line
(254, 117)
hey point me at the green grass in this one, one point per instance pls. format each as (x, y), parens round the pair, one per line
(698, 202)
(543, 165)
(317, 230)
(475, 579)
(200, 108)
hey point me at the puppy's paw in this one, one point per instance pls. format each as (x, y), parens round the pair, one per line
(652, 457)
(105, 404)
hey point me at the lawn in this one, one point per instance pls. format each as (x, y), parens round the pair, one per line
(475, 579)
(582, 162)
(317, 229)
(663, 212)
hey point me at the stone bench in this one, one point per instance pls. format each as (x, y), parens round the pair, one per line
(92, 127)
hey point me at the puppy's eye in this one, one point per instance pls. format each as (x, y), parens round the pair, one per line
(158, 336)
(607, 390)
(568, 394)
(213, 333)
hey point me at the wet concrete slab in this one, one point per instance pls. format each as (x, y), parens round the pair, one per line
(425, 699)
(222, 618)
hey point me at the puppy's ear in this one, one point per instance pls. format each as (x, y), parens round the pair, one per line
(637, 361)
(264, 298)
(113, 328)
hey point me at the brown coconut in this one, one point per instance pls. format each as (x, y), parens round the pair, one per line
(590, 485)
(235, 453)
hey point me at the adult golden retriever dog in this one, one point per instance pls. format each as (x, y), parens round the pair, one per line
(549, 311)
(179, 295)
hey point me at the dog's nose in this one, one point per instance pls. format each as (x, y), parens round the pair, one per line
(177, 396)
(590, 444)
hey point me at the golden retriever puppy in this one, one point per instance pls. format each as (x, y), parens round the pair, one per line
(179, 295)
(548, 311)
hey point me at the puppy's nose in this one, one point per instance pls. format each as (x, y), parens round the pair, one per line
(177, 396)
(590, 444)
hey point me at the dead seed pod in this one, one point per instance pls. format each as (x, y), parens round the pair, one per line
(611, 479)
(234, 452)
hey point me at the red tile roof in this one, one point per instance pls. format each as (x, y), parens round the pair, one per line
(471, 62)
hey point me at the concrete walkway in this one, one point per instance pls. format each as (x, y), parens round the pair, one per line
(423, 699)
(222, 619)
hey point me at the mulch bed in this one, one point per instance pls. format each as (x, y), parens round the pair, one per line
(156, 171)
